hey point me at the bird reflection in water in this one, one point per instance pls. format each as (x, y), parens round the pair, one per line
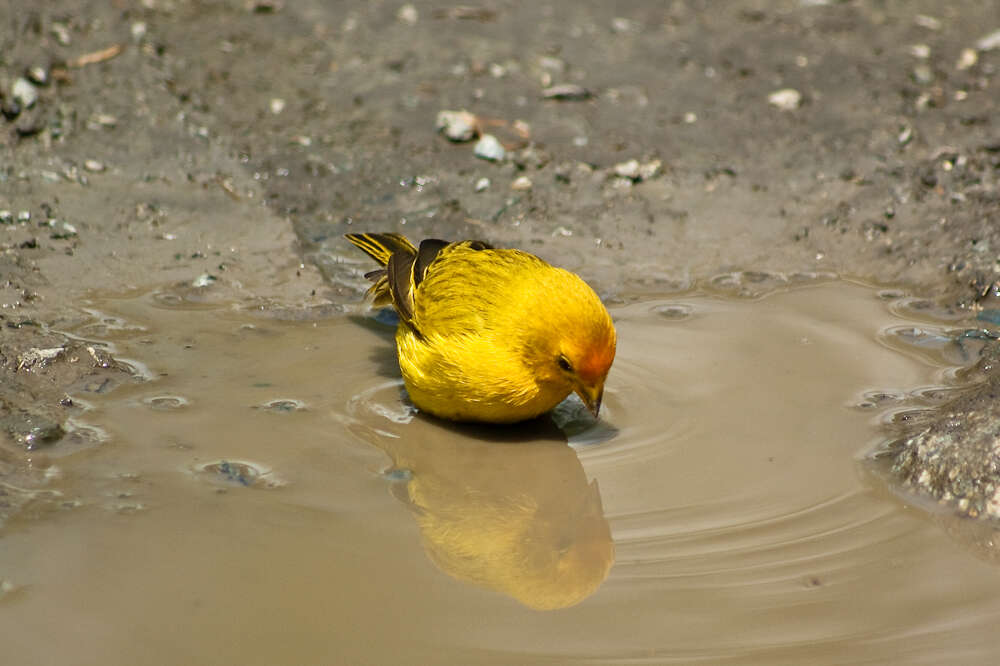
(509, 508)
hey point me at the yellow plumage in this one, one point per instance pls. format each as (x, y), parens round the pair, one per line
(489, 334)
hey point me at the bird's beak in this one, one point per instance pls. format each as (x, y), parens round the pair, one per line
(591, 397)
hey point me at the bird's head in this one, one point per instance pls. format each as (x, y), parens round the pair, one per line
(585, 364)
(580, 352)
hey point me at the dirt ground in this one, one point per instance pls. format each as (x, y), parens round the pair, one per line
(224, 147)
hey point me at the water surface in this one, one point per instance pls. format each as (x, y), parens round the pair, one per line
(267, 496)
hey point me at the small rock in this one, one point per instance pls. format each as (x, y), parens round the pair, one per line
(30, 122)
(24, 92)
(10, 108)
(690, 118)
(38, 75)
(61, 33)
(489, 148)
(923, 74)
(566, 91)
(482, 184)
(650, 170)
(921, 51)
(457, 125)
(929, 22)
(138, 31)
(620, 24)
(407, 14)
(203, 280)
(905, 135)
(101, 121)
(24, 216)
(6, 217)
(521, 184)
(628, 169)
(967, 59)
(989, 42)
(786, 99)
(277, 105)
(93, 166)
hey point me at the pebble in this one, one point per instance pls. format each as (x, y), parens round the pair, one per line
(489, 148)
(989, 42)
(628, 169)
(456, 125)
(24, 92)
(929, 22)
(566, 91)
(923, 74)
(138, 30)
(24, 216)
(482, 184)
(93, 166)
(10, 109)
(38, 75)
(277, 105)
(922, 51)
(967, 59)
(650, 169)
(786, 99)
(407, 14)
(521, 184)
(634, 171)
(6, 217)
(61, 33)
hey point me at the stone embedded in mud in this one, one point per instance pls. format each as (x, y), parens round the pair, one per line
(566, 91)
(989, 42)
(32, 431)
(38, 75)
(786, 99)
(457, 126)
(521, 184)
(489, 148)
(239, 473)
(24, 92)
(954, 457)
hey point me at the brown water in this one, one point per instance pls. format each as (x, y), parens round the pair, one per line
(268, 498)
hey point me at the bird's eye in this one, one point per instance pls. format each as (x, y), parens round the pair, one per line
(565, 364)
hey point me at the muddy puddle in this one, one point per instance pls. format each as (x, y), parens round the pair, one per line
(266, 496)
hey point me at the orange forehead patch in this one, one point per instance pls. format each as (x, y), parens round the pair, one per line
(594, 366)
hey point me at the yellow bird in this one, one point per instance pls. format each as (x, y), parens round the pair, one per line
(487, 334)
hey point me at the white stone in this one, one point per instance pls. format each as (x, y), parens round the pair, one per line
(786, 99)
(456, 125)
(24, 92)
(489, 148)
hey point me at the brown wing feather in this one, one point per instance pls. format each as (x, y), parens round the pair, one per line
(405, 266)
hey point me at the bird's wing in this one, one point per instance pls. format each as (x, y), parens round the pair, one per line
(404, 266)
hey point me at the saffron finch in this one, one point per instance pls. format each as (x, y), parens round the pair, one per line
(491, 335)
